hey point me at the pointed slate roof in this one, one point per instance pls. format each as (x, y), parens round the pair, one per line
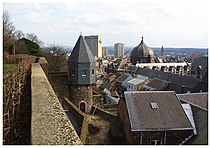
(81, 53)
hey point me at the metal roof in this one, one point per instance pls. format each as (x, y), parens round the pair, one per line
(142, 50)
(81, 53)
(169, 116)
(136, 81)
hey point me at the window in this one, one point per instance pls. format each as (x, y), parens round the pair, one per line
(154, 105)
(83, 72)
(93, 72)
(155, 142)
(73, 73)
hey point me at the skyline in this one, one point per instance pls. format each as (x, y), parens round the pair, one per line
(167, 24)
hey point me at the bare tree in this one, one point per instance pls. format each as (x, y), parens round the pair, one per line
(33, 37)
(8, 27)
(56, 57)
(19, 34)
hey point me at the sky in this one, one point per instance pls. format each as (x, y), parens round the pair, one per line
(177, 23)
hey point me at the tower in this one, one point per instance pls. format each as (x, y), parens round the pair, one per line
(119, 50)
(95, 44)
(162, 51)
(81, 75)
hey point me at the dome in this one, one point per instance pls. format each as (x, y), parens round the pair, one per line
(142, 54)
(142, 50)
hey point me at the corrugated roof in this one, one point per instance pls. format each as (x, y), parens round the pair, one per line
(169, 116)
(81, 52)
(198, 99)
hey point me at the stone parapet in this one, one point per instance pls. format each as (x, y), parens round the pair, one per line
(44, 64)
(49, 123)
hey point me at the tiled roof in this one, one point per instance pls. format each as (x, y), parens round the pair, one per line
(198, 99)
(145, 116)
(201, 122)
(201, 61)
(156, 84)
(122, 77)
(184, 80)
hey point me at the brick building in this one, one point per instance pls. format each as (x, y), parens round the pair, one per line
(154, 118)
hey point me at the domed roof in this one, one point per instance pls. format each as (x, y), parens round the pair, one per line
(142, 50)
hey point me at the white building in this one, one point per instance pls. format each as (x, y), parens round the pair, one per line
(119, 50)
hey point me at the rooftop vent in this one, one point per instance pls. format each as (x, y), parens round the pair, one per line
(154, 105)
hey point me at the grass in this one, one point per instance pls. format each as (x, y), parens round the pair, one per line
(9, 66)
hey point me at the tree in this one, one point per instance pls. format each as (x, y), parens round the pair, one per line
(25, 46)
(19, 34)
(32, 37)
(8, 29)
(56, 57)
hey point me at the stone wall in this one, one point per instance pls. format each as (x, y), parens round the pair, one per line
(104, 114)
(44, 64)
(49, 123)
(79, 115)
(80, 93)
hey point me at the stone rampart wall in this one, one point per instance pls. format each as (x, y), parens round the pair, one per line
(49, 123)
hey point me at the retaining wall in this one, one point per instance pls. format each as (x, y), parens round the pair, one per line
(79, 115)
(104, 114)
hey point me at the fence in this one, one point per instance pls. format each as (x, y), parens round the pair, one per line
(14, 82)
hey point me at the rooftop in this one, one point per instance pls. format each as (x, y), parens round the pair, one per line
(167, 115)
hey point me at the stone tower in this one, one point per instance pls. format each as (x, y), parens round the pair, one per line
(81, 75)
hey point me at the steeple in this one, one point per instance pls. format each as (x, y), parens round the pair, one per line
(142, 41)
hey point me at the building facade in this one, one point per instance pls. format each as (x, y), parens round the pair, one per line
(104, 51)
(119, 50)
(81, 75)
(95, 44)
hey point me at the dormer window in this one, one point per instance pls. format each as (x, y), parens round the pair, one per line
(93, 72)
(154, 105)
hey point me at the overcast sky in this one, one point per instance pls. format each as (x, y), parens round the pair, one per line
(171, 24)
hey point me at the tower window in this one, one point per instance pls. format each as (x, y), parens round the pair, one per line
(93, 72)
(83, 72)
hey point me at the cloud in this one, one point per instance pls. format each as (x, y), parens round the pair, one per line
(35, 17)
(88, 19)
